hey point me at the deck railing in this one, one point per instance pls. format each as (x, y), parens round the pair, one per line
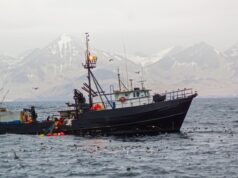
(171, 95)
(178, 94)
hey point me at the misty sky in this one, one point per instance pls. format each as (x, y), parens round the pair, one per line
(144, 26)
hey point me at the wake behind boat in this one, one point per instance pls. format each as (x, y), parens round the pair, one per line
(120, 112)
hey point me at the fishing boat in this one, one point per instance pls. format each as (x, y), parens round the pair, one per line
(120, 112)
(21, 122)
(7, 116)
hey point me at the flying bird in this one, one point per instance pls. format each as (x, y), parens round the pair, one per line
(35, 88)
(138, 72)
(110, 60)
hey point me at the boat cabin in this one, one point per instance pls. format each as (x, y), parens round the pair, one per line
(131, 94)
(133, 97)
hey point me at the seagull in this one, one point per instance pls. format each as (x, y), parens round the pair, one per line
(138, 72)
(35, 88)
(110, 60)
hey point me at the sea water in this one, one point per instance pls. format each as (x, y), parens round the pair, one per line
(207, 146)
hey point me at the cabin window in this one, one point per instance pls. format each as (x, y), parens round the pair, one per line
(134, 94)
(126, 94)
(137, 94)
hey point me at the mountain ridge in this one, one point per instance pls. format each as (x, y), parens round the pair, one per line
(59, 65)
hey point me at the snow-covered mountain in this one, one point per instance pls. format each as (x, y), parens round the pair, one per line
(7, 63)
(51, 73)
(231, 55)
(200, 66)
(147, 60)
(57, 69)
(232, 52)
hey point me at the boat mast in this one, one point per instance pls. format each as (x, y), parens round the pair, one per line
(4, 97)
(119, 79)
(131, 86)
(120, 83)
(127, 78)
(90, 63)
(142, 81)
(88, 67)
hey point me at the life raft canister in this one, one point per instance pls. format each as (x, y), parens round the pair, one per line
(97, 106)
(122, 99)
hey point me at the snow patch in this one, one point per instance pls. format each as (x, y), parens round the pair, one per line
(217, 52)
(234, 52)
(144, 61)
(105, 54)
(118, 58)
(63, 43)
(183, 64)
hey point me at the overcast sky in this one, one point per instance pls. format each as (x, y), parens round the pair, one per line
(144, 26)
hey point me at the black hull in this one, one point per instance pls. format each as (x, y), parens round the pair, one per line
(33, 128)
(167, 116)
(154, 118)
